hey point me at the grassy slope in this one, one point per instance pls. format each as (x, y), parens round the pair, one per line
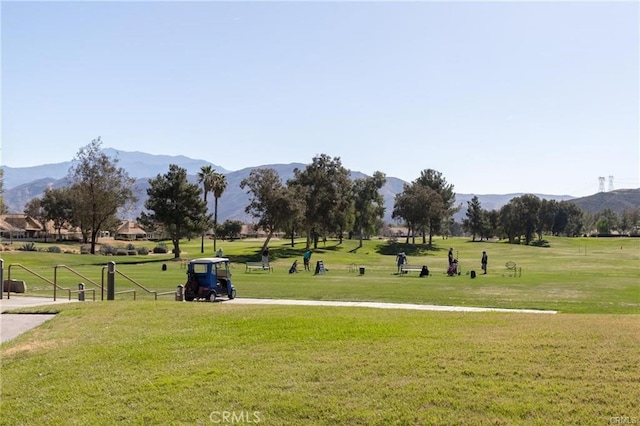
(158, 363)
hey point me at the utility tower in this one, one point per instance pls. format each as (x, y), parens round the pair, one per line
(610, 183)
(601, 184)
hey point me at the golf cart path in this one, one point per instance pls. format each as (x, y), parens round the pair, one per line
(12, 325)
(382, 305)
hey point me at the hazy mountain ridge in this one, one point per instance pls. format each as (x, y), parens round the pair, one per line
(23, 184)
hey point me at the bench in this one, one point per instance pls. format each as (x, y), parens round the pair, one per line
(410, 268)
(513, 269)
(259, 266)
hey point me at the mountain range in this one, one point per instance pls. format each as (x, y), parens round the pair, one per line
(21, 184)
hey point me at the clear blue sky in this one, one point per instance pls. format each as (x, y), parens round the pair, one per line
(500, 97)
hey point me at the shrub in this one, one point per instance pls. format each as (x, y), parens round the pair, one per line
(160, 248)
(121, 252)
(28, 246)
(132, 252)
(106, 249)
(142, 250)
(86, 249)
(54, 249)
(130, 246)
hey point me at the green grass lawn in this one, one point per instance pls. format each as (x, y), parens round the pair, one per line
(582, 275)
(149, 362)
(163, 362)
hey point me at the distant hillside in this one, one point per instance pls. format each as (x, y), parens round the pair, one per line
(137, 164)
(618, 200)
(23, 184)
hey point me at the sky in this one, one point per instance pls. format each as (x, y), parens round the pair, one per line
(499, 97)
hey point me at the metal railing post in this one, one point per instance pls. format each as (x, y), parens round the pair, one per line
(1, 277)
(111, 280)
(81, 292)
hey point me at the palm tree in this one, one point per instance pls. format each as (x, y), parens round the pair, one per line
(206, 177)
(218, 186)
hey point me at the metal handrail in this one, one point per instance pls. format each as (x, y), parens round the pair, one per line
(55, 274)
(92, 290)
(155, 293)
(55, 285)
(127, 291)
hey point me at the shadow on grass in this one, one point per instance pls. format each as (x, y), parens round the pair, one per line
(394, 247)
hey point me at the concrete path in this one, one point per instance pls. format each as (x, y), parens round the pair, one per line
(384, 305)
(12, 325)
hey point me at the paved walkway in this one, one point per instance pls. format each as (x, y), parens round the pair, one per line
(12, 325)
(384, 305)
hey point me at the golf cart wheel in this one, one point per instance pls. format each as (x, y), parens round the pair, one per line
(189, 297)
(212, 297)
(232, 295)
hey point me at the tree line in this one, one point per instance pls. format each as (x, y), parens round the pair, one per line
(320, 201)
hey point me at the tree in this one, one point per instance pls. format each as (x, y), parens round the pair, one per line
(205, 177)
(474, 221)
(509, 224)
(230, 229)
(549, 210)
(368, 203)
(574, 219)
(100, 188)
(527, 208)
(611, 218)
(327, 189)
(34, 209)
(434, 180)
(175, 204)
(219, 185)
(416, 204)
(3, 206)
(629, 221)
(295, 222)
(57, 204)
(269, 201)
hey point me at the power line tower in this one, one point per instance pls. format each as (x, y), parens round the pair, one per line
(601, 183)
(610, 183)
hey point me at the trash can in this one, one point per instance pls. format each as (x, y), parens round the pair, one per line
(362, 270)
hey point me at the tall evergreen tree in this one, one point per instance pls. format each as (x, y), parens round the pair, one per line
(474, 221)
(176, 205)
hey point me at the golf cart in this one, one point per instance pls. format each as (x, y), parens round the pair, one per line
(208, 278)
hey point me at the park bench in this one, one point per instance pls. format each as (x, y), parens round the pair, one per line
(513, 269)
(404, 269)
(259, 266)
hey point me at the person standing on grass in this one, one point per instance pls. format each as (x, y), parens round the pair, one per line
(306, 257)
(484, 261)
(401, 258)
(450, 256)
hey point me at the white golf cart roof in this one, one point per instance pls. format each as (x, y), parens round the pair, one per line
(209, 260)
